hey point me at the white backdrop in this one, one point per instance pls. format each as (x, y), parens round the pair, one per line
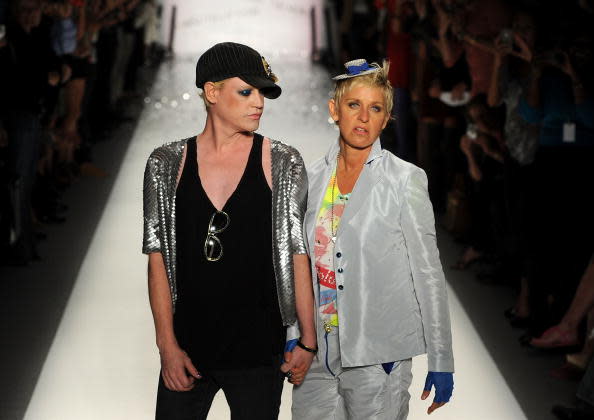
(269, 26)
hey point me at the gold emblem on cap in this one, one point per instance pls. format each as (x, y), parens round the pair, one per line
(268, 71)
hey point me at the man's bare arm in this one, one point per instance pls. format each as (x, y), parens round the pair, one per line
(176, 367)
(160, 298)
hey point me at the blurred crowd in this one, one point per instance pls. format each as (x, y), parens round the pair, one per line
(67, 69)
(494, 100)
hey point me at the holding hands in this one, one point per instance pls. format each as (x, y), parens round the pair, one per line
(297, 361)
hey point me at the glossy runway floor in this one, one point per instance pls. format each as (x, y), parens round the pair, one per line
(102, 362)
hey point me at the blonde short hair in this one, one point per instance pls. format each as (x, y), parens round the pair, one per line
(377, 79)
(207, 103)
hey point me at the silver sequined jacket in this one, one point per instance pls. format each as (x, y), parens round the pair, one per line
(289, 198)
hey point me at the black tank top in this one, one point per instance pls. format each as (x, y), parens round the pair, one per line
(227, 314)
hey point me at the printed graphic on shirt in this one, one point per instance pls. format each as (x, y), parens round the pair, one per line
(331, 211)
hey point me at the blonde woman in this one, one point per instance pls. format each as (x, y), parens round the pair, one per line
(379, 288)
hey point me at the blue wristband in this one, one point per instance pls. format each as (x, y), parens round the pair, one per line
(291, 344)
(444, 385)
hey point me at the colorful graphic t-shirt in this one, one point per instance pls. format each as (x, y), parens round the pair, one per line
(327, 224)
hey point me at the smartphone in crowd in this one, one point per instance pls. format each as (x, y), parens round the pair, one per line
(472, 131)
(2, 32)
(507, 37)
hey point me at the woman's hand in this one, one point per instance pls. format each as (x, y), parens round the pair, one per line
(444, 386)
(458, 91)
(473, 168)
(66, 73)
(435, 89)
(501, 50)
(483, 142)
(525, 52)
(53, 78)
(297, 362)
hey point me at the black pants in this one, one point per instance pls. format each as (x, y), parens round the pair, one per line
(252, 394)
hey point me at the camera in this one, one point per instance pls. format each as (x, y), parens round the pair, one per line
(472, 131)
(507, 37)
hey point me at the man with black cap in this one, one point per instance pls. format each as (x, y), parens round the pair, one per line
(228, 274)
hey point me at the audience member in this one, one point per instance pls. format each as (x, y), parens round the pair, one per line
(49, 63)
(510, 75)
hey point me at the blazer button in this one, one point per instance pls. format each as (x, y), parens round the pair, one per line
(340, 287)
(338, 254)
(340, 270)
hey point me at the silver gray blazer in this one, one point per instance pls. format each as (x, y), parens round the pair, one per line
(392, 300)
(289, 197)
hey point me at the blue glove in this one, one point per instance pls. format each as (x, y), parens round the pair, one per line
(444, 385)
(291, 344)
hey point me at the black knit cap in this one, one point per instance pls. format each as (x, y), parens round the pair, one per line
(228, 59)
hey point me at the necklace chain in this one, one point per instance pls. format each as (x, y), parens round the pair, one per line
(334, 182)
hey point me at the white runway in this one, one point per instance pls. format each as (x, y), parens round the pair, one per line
(103, 363)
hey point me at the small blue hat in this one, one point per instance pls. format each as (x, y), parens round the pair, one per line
(356, 68)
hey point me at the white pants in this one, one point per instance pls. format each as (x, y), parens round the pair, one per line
(331, 392)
